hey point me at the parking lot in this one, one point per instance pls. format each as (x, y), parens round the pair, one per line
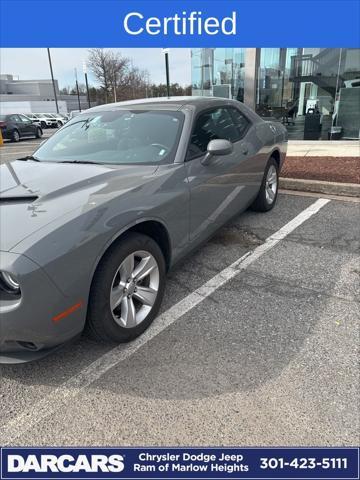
(11, 151)
(268, 357)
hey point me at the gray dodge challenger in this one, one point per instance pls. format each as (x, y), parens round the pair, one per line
(94, 219)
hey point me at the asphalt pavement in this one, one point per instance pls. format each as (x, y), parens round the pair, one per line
(26, 146)
(268, 358)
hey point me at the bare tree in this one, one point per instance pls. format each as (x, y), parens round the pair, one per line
(120, 80)
(135, 84)
(160, 90)
(109, 68)
(65, 90)
(99, 65)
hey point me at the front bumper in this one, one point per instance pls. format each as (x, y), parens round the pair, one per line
(27, 323)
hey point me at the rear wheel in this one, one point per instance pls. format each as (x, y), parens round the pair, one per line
(127, 289)
(15, 137)
(267, 195)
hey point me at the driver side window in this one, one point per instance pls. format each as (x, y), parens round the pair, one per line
(211, 125)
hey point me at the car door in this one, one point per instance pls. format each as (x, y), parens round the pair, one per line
(27, 126)
(16, 123)
(222, 187)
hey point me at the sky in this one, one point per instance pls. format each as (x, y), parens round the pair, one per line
(32, 63)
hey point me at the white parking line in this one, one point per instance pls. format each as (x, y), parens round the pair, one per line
(25, 142)
(17, 152)
(64, 393)
(10, 145)
(14, 146)
(11, 151)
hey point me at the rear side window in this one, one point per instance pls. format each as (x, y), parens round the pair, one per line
(13, 118)
(212, 125)
(241, 122)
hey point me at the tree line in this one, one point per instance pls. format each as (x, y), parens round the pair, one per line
(119, 79)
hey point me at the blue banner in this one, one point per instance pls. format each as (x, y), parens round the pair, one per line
(179, 463)
(185, 23)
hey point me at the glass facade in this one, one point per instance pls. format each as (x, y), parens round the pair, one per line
(301, 88)
(218, 72)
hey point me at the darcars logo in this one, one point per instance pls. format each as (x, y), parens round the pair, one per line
(65, 463)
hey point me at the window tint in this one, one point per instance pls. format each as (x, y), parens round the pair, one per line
(212, 125)
(14, 118)
(241, 122)
(23, 118)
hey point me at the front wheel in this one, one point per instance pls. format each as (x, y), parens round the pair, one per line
(38, 133)
(127, 289)
(267, 195)
(15, 137)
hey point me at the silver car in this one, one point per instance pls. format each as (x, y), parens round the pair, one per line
(92, 222)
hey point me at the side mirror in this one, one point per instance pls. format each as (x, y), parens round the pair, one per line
(217, 148)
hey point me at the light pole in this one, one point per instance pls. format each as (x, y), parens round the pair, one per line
(53, 81)
(86, 83)
(166, 52)
(115, 98)
(77, 90)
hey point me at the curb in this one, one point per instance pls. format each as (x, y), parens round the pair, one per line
(316, 186)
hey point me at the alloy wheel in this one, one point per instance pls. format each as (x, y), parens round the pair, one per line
(271, 184)
(134, 289)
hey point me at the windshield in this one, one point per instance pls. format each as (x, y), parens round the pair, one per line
(116, 137)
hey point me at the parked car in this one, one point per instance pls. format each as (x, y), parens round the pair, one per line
(46, 120)
(74, 113)
(15, 126)
(61, 120)
(32, 117)
(106, 206)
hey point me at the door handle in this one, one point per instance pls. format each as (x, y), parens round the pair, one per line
(244, 150)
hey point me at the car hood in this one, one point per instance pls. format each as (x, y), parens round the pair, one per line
(33, 194)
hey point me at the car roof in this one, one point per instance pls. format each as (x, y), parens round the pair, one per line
(169, 103)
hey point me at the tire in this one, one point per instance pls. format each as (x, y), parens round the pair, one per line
(105, 322)
(266, 200)
(38, 133)
(15, 136)
(43, 125)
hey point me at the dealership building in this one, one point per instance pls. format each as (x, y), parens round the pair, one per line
(315, 92)
(35, 96)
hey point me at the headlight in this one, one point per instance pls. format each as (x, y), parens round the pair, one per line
(9, 282)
